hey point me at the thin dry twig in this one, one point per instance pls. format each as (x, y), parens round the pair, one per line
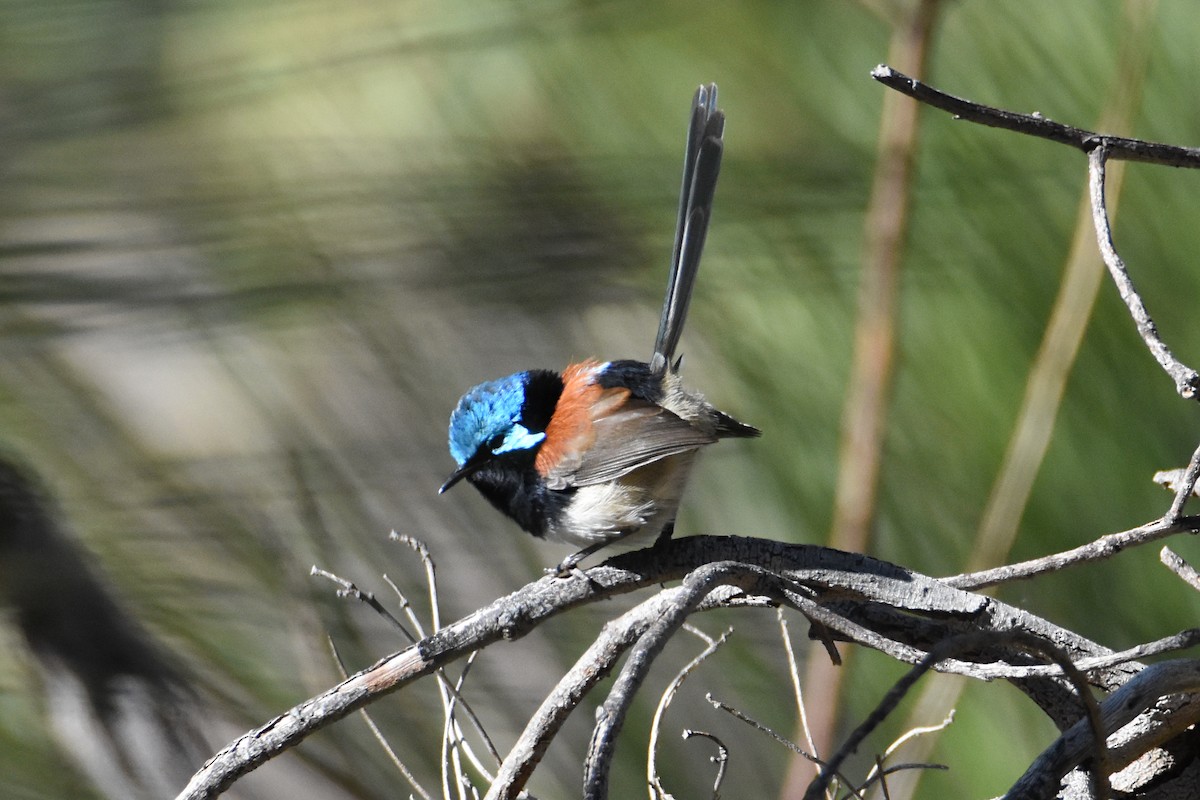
(968, 642)
(1099, 147)
(1180, 567)
(1096, 550)
(406, 607)
(1091, 664)
(1187, 380)
(454, 745)
(1037, 125)
(350, 589)
(794, 673)
(388, 750)
(879, 770)
(664, 702)
(761, 728)
(610, 717)
(721, 759)
(879, 774)
(1185, 486)
(422, 551)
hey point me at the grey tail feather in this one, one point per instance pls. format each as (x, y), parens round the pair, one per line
(701, 165)
(730, 428)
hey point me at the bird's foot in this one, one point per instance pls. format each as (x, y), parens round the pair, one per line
(570, 564)
(664, 536)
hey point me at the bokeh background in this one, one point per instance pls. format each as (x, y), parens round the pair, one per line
(251, 253)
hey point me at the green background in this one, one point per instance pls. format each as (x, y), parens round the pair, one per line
(251, 253)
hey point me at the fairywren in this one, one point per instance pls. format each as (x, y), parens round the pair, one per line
(600, 452)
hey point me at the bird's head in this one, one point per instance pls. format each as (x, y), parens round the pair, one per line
(502, 419)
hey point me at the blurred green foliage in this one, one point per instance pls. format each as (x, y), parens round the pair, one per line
(252, 252)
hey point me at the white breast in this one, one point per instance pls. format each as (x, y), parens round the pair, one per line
(634, 508)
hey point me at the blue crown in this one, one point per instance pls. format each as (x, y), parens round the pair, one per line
(489, 410)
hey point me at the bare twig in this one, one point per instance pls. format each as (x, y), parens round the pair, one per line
(349, 589)
(454, 746)
(422, 551)
(1105, 547)
(1185, 487)
(665, 701)
(1036, 125)
(720, 759)
(1168, 644)
(1180, 567)
(758, 726)
(969, 642)
(1187, 380)
(592, 666)
(1145, 693)
(610, 717)
(405, 772)
(912, 733)
(794, 674)
(879, 774)
(1099, 147)
(406, 607)
(1091, 664)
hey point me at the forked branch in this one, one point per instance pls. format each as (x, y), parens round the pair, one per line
(1099, 147)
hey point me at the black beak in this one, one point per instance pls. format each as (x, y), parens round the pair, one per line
(458, 475)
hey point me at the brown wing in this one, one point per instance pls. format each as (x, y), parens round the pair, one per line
(633, 435)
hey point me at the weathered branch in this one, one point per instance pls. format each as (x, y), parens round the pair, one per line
(610, 717)
(1162, 697)
(857, 597)
(964, 644)
(590, 668)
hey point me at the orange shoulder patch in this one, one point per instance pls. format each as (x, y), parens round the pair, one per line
(570, 432)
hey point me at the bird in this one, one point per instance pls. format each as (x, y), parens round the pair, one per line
(600, 452)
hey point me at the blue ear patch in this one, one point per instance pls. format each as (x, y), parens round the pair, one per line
(489, 410)
(519, 438)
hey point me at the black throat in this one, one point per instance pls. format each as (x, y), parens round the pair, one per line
(518, 490)
(510, 481)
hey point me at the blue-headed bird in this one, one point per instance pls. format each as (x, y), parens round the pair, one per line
(600, 452)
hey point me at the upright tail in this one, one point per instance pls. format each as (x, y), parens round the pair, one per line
(701, 165)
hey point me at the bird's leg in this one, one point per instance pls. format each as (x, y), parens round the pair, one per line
(569, 565)
(665, 535)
